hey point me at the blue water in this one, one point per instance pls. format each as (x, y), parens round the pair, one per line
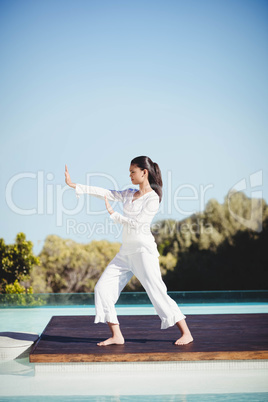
(234, 397)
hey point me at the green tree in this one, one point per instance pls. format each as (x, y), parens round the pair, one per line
(17, 261)
(70, 267)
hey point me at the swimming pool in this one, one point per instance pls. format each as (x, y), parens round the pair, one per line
(149, 381)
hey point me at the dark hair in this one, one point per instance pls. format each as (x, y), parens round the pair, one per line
(154, 173)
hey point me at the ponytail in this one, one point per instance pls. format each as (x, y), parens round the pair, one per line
(158, 180)
(154, 173)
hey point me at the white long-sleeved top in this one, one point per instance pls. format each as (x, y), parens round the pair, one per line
(137, 218)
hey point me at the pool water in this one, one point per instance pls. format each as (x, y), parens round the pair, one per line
(242, 397)
(149, 381)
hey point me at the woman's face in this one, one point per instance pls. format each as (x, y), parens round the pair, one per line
(137, 175)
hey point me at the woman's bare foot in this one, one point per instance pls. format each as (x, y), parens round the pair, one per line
(186, 336)
(114, 340)
(184, 339)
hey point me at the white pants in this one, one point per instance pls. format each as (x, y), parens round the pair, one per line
(145, 267)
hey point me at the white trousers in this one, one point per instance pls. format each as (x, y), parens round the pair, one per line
(145, 267)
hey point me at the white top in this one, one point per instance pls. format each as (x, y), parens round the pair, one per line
(137, 218)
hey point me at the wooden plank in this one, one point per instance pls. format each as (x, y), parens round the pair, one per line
(146, 357)
(216, 337)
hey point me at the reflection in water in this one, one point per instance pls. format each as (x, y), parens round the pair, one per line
(20, 366)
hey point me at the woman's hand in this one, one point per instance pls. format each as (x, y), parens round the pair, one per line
(68, 178)
(108, 206)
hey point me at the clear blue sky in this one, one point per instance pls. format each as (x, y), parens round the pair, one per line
(95, 83)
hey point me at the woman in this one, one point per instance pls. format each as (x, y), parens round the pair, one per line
(138, 254)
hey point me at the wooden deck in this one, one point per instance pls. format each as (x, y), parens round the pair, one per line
(216, 337)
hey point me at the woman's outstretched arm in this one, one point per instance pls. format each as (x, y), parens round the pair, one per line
(98, 192)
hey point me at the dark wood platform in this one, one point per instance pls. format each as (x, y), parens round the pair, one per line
(216, 337)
